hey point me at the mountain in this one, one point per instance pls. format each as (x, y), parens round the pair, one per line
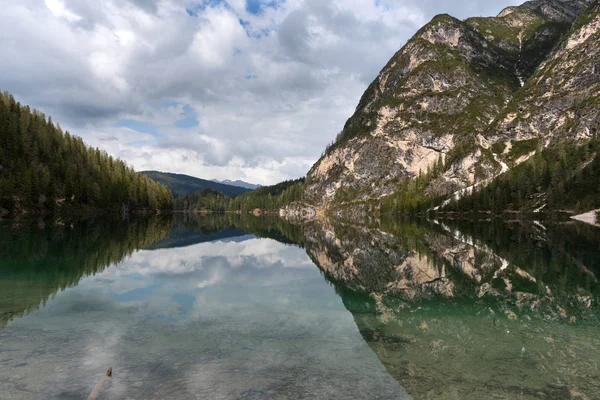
(182, 185)
(238, 183)
(43, 169)
(466, 101)
(266, 198)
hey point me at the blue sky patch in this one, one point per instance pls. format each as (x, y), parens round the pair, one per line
(191, 117)
(256, 6)
(187, 123)
(138, 126)
(195, 8)
(253, 6)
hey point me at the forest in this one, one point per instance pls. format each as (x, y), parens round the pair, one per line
(268, 198)
(565, 176)
(46, 170)
(410, 197)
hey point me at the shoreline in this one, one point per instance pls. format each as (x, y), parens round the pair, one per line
(588, 218)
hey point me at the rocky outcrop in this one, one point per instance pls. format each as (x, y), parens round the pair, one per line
(457, 88)
(298, 211)
(525, 35)
(562, 99)
(420, 107)
(559, 10)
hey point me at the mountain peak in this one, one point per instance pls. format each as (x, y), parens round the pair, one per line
(238, 183)
(507, 11)
(434, 109)
(565, 11)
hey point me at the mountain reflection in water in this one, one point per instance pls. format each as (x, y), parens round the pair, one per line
(451, 309)
(472, 310)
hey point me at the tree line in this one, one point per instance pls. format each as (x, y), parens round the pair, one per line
(562, 177)
(43, 169)
(565, 176)
(267, 198)
(411, 195)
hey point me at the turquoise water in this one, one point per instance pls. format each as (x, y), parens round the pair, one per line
(224, 307)
(229, 317)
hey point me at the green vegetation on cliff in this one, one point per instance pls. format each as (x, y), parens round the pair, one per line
(526, 36)
(411, 197)
(43, 169)
(509, 30)
(565, 176)
(562, 177)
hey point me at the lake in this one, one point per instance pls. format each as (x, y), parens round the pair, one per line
(232, 307)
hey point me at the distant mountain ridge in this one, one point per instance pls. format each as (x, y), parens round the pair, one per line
(238, 183)
(182, 185)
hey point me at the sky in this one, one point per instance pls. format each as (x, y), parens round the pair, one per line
(218, 89)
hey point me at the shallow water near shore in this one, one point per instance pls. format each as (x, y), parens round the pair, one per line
(229, 307)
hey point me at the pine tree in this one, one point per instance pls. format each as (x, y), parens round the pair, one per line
(40, 166)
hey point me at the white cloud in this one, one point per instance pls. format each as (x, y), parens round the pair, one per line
(58, 9)
(219, 36)
(269, 90)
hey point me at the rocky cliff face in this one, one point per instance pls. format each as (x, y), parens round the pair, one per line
(561, 99)
(559, 10)
(458, 87)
